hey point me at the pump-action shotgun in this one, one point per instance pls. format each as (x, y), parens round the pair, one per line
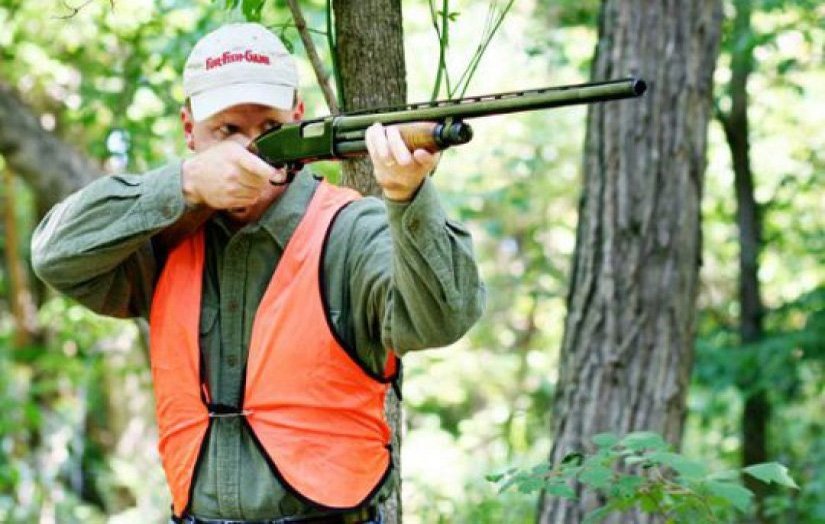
(433, 126)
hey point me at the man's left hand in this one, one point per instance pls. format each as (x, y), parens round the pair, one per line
(398, 170)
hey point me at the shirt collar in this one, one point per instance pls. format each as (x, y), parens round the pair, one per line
(282, 216)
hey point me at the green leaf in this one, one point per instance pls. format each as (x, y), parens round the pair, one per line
(530, 484)
(627, 485)
(648, 504)
(596, 476)
(561, 490)
(509, 482)
(728, 474)
(252, 9)
(786, 65)
(605, 440)
(572, 459)
(495, 477)
(683, 466)
(771, 472)
(540, 470)
(498, 477)
(734, 493)
(641, 440)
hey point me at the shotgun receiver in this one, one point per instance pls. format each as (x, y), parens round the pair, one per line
(433, 126)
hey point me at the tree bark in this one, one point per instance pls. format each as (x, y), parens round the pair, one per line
(627, 349)
(370, 52)
(23, 307)
(50, 166)
(757, 408)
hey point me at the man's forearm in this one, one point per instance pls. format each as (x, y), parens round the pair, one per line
(96, 245)
(437, 293)
(415, 283)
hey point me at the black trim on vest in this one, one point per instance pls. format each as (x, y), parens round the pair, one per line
(398, 379)
(303, 498)
(349, 350)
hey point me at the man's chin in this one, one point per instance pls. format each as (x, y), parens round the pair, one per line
(239, 214)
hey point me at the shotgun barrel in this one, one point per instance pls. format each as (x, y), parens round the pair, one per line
(429, 125)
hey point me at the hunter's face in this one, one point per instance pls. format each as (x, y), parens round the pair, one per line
(241, 124)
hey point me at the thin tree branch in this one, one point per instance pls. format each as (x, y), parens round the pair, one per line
(443, 42)
(287, 25)
(320, 73)
(74, 10)
(332, 43)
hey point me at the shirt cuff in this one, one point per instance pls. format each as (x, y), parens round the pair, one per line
(419, 214)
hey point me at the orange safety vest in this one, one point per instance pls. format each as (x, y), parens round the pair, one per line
(313, 409)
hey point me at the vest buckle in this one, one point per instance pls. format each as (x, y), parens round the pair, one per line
(223, 410)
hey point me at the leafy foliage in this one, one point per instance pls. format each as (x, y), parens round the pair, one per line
(639, 472)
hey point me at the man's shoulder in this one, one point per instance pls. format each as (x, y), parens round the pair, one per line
(363, 212)
(358, 224)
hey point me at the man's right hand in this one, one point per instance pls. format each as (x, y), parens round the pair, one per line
(226, 176)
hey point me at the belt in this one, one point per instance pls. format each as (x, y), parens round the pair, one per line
(370, 515)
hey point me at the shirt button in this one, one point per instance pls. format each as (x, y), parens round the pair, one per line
(413, 227)
(168, 211)
(233, 306)
(232, 361)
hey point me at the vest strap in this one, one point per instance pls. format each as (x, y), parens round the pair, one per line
(223, 410)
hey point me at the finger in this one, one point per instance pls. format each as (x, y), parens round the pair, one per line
(255, 165)
(243, 194)
(399, 149)
(424, 158)
(251, 180)
(378, 138)
(241, 198)
(369, 140)
(280, 176)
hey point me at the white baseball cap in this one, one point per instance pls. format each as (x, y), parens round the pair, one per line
(239, 64)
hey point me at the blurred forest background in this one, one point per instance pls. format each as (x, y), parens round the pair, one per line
(94, 87)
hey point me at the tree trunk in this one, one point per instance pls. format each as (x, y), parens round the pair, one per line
(627, 349)
(370, 53)
(23, 307)
(757, 408)
(50, 166)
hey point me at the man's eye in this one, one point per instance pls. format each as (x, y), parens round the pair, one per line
(228, 129)
(269, 124)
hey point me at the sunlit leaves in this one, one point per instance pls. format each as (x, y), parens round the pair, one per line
(772, 472)
(639, 472)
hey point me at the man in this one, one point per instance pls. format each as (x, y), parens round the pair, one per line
(276, 310)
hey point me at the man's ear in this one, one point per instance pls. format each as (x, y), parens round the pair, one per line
(188, 127)
(298, 110)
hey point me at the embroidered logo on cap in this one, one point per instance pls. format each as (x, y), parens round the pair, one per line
(228, 58)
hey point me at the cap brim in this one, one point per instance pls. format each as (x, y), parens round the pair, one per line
(213, 101)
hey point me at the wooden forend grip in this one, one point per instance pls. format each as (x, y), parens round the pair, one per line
(419, 135)
(434, 136)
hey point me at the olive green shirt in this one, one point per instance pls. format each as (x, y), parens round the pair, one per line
(397, 275)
